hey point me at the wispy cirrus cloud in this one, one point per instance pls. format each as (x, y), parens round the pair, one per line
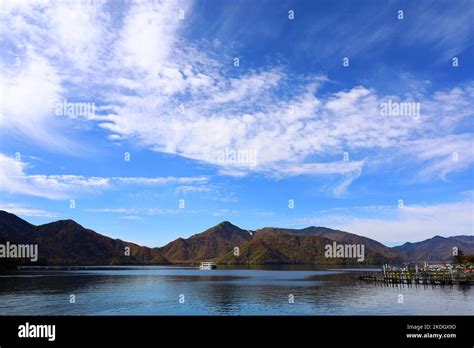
(135, 211)
(144, 212)
(186, 189)
(26, 211)
(371, 28)
(445, 155)
(15, 180)
(174, 95)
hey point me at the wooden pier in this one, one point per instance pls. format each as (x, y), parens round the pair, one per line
(418, 278)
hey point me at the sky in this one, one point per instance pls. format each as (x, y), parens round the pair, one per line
(153, 120)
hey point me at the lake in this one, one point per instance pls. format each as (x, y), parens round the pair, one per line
(168, 290)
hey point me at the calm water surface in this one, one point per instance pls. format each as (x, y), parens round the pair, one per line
(156, 290)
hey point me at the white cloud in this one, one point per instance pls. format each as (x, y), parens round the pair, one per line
(77, 30)
(224, 212)
(15, 180)
(186, 189)
(115, 210)
(159, 180)
(28, 97)
(52, 49)
(288, 135)
(176, 96)
(12, 173)
(392, 225)
(346, 171)
(148, 35)
(23, 211)
(452, 153)
(247, 86)
(340, 167)
(131, 217)
(140, 212)
(415, 223)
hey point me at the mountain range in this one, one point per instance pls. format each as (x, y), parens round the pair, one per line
(65, 242)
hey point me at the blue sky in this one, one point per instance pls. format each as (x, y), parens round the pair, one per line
(238, 142)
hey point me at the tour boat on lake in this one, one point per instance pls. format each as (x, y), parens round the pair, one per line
(208, 265)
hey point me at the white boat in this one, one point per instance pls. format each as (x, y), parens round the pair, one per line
(208, 265)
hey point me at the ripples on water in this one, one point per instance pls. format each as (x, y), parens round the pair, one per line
(225, 291)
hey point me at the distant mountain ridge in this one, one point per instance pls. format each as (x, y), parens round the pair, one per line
(65, 242)
(431, 249)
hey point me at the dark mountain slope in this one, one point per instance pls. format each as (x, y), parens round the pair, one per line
(207, 245)
(67, 242)
(337, 236)
(15, 229)
(277, 246)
